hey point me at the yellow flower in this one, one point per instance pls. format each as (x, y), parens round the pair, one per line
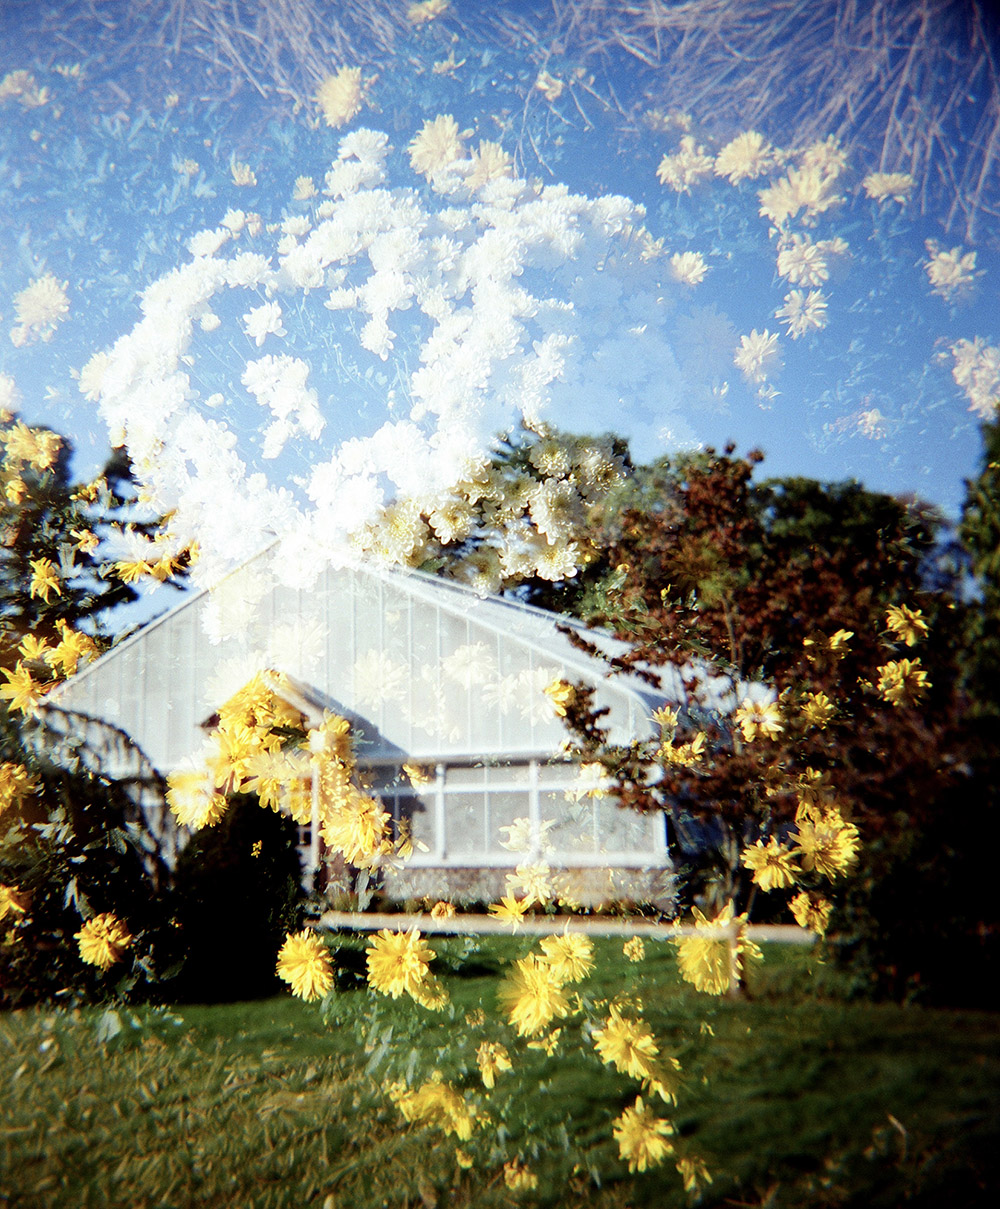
(435, 1103)
(694, 1173)
(492, 1058)
(571, 957)
(358, 828)
(339, 96)
(547, 1044)
(192, 800)
(532, 995)
(304, 963)
(37, 447)
(102, 940)
(773, 865)
(44, 578)
(634, 949)
(828, 845)
(86, 541)
(534, 882)
(836, 644)
(518, 1178)
(907, 624)
(811, 911)
(131, 570)
(509, 910)
(666, 717)
(762, 717)
(398, 963)
(419, 776)
(713, 963)
(16, 490)
(33, 649)
(72, 647)
(628, 1044)
(15, 782)
(12, 902)
(562, 695)
(443, 910)
(817, 709)
(902, 682)
(683, 755)
(22, 692)
(641, 1137)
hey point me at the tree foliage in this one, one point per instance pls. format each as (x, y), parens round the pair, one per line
(824, 620)
(79, 837)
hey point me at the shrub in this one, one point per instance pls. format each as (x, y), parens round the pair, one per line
(237, 891)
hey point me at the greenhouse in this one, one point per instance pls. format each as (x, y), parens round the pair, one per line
(430, 675)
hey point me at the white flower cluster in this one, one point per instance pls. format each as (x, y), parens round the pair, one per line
(977, 372)
(503, 523)
(499, 299)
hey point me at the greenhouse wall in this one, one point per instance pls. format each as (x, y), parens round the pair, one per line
(428, 673)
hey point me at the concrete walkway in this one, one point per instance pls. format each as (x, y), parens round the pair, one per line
(546, 925)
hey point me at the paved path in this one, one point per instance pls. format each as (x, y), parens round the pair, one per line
(545, 925)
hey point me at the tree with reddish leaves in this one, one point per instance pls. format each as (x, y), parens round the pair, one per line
(821, 606)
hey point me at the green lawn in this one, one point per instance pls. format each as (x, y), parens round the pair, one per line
(790, 1097)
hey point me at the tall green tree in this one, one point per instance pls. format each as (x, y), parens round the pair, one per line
(76, 846)
(979, 533)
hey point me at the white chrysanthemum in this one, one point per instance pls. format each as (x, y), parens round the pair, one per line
(234, 221)
(489, 163)
(470, 665)
(40, 306)
(747, 156)
(688, 267)
(379, 679)
(685, 168)
(889, 186)
(803, 313)
(339, 96)
(950, 273)
(263, 321)
(207, 243)
(802, 261)
(757, 355)
(437, 146)
(977, 371)
(509, 292)
(556, 509)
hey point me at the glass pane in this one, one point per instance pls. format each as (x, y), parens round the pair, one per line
(551, 776)
(465, 815)
(419, 813)
(508, 774)
(624, 830)
(504, 811)
(572, 829)
(465, 776)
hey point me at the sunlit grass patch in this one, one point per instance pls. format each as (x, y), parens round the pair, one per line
(261, 1104)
